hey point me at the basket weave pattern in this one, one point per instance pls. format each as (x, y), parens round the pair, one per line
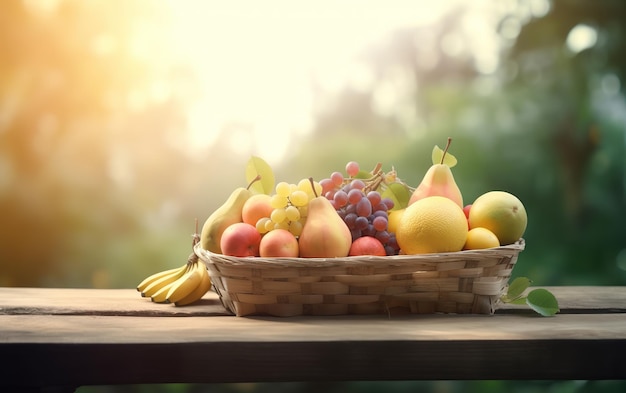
(465, 282)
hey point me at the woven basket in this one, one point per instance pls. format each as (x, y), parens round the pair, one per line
(465, 282)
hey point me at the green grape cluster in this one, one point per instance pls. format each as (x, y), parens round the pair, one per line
(290, 204)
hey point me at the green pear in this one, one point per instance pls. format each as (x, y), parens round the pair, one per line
(325, 234)
(227, 214)
(438, 180)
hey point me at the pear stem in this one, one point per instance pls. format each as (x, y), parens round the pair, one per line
(446, 149)
(313, 186)
(256, 179)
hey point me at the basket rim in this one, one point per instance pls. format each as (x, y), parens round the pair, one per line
(211, 257)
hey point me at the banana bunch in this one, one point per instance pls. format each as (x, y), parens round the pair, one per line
(182, 286)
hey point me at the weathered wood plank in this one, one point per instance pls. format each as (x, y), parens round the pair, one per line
(78, 301)
(113, 337)
(68, 301)
(326, 361)
(122, 350)
(59, 329)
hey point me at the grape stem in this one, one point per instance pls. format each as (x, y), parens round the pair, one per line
(377, 169)
(378, 177)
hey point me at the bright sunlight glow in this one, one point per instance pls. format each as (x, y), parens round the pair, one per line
(254, 75)
(581, 37)
(255, 61)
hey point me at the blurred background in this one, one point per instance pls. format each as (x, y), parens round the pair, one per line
(122, 122)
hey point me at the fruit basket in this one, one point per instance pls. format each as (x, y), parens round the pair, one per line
(464, 282)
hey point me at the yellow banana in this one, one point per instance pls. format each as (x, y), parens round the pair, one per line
(186, 284)
(160, 295)
(199, 291)
(152, 278)
(152, 288)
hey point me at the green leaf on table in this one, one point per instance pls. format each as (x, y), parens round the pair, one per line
(543, 302)
(519, 301)
(259, 167)
(517, 288)
(398, 193)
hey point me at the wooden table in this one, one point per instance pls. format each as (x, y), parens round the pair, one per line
(55, 340)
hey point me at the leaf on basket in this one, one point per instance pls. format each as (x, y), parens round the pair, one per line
(517, 288)
(398, 193)
(259, 167)
(363, 175)
(543, 302)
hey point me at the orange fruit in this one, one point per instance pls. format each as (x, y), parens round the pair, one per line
(500, 212)
(430, 225)
(255, 208)
(479, 238)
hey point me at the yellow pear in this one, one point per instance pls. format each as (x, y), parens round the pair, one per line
(227, 214)
(325, 234)
(438, 180)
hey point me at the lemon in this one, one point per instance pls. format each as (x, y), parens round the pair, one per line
(393, 219)
(479, 238)
(430, 225)
(500, 212)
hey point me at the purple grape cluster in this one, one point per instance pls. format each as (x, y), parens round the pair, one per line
(364, 211)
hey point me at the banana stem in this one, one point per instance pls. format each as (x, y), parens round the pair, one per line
(193, 258)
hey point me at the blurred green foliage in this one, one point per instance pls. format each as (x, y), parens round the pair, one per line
(548, 126)
(96, 189)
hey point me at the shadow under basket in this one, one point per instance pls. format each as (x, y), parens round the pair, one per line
(464, 282)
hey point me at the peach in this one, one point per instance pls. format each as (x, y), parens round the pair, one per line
(279, 243)
(240, 240)
(367, 245)
(255, 208)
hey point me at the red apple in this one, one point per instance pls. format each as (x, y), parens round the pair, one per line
(240, 240)
(279, 243)
(466, 210)
(367, 245)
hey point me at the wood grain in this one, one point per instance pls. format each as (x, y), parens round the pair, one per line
(122, 350)
(94, 329)
(72, 337)
(74, 301)
(78, 301)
